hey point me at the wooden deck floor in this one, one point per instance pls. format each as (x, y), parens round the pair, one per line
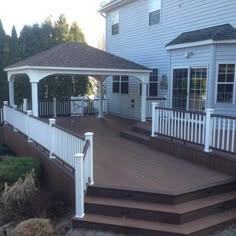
(125, 164)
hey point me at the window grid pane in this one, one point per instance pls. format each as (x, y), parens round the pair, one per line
(225, 85)
(153, 83)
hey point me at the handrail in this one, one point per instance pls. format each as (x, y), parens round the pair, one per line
(223, 116)
(179, 110)
(68, 131)
(86, 147)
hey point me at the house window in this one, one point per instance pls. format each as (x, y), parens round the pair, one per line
(225, 85)
(115, 19)
(154, 12)
(120, 84)
(153, 83)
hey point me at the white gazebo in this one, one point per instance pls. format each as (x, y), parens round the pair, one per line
(77, 59)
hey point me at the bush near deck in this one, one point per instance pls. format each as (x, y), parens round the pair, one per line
(11, 169)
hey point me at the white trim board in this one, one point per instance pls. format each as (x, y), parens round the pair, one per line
(200, 43)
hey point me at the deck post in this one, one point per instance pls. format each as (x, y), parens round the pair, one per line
(54, 107)
(25, 104)
(79, 189)
(144, 102)
(155, 118)
(5, 103)
(52, 136)
(15, 108)
(29, 113)
(89, 136)
(208, 131)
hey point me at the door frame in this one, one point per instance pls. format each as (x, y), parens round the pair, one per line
(188, 81)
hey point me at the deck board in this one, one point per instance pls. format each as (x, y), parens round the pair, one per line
(125, 164)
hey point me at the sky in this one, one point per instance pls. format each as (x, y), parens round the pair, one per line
(28, 12)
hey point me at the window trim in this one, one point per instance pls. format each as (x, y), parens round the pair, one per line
(116, 23)
(149, 11)
(216, 83)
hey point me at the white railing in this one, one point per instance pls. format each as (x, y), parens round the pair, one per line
(207, 129)
(224, 133)
(69, 107)
(161, 103)
(73, 150)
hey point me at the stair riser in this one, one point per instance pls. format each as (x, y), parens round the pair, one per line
(130, 195)
(134, 138)
(205, 192)
(120, 229)
(159, 198)
(141, 131)
(215, 228)
(132, 213)
(170, 218)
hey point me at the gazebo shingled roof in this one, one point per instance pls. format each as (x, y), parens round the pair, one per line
(77, 55)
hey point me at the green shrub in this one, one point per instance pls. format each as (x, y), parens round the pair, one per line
(33, 227)
(12, 169)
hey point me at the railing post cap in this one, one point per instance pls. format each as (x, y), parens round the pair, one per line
(52, 121)
(79, 155)
(89, 134)
(209, 110)
(5, 102)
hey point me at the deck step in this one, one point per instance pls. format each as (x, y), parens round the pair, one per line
(136, 137)
(125, 225)
(163, 198)
(172, 214)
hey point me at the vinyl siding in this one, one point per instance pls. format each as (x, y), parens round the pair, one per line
(121, 104)
(144, 44)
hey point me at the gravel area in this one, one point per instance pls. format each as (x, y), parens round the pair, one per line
(231, 231)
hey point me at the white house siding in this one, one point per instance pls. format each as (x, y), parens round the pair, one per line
(143, 44)
(121, 104)
(225, 54)
(201, 58)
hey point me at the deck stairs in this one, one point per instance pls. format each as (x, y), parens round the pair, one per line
(196, 212)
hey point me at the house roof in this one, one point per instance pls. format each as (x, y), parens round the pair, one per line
(216, 33)
(77, 55)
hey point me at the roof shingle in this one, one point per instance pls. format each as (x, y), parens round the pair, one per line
(77, 55)
(216, 33)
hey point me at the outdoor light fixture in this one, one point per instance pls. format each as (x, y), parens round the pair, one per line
(188, 54)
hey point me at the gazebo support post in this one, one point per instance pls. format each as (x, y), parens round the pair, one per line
(34, 95)
(101, 97)
(11, 92)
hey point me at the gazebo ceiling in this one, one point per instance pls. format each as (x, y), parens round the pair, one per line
(77, 55)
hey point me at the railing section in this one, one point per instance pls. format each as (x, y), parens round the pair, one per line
(224, 133)
(73, 150)
(179, 124)
(161, 103)
(207, 129)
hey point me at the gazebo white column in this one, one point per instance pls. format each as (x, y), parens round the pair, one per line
(143, 102)
(34, 95)
(11, 92)
(101, 97)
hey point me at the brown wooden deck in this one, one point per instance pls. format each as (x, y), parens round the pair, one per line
(125, 164)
